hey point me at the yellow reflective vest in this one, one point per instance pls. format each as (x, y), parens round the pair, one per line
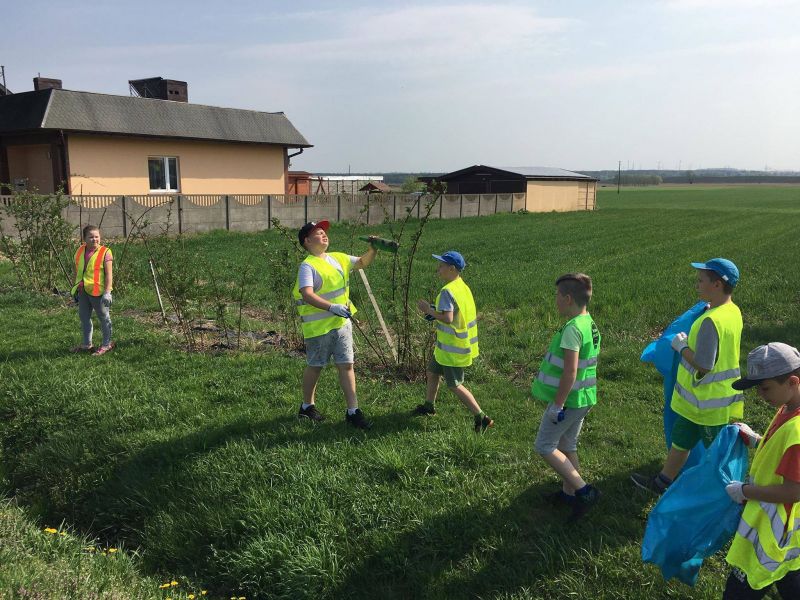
(457, 343)
(92, 273)
(335, 289)
(711, 400)
(767, 542)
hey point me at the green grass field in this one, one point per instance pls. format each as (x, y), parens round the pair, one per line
(196, 460)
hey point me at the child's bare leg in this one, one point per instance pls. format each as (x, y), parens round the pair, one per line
(674, 463)
(347, 381)
(573, 458)
(566, 469)
(310, 379)
(467, 399)
(432, 388)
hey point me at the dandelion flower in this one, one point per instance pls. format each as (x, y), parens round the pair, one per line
(173, 583)
(50, 530)
(203, 592)
(89, 548)
(163, 586)
(63, 533)
(191, 596)
(112, 550)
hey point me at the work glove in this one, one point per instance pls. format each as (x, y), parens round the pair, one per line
(749, 437)
(679, 343)
(734, 489)
(106, 299)
(340, 310)
(555, 413)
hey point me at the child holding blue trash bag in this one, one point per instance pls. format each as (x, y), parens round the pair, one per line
(766, 547)
(703, 397)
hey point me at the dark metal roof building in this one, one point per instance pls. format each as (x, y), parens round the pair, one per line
(87, 112)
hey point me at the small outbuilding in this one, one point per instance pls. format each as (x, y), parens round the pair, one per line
(375, 187)
(546, 188)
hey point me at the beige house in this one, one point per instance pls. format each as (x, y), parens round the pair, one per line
(100, 144)
(546, 188)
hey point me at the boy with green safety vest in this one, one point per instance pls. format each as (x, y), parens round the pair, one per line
(456, 339)
(94, 277)
(766, 547)
(704, 398)
(567, 382)
(322, 296)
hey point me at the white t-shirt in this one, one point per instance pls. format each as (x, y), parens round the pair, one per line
(307, 275)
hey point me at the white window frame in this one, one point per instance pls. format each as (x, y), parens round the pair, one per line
(165, 161)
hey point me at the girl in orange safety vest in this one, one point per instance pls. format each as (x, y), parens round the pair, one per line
(92, 289)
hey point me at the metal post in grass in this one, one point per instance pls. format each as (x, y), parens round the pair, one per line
(124, 219)
(419, 202)
(180, 214)
(394, 207)
(305, 208)
(269, 211)
(367, 209)
(460, 205)
(338, 208)
(479, 204)
(441, 203)
(495, 202)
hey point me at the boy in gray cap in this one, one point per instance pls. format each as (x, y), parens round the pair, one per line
(766, 547)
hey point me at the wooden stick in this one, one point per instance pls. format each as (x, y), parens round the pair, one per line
(158, 293)
(380, 316)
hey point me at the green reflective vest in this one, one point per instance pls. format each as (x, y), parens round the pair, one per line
(335, 289)
(92, 273)
(767, 542)
(711, 400)
(457, 343)
(584, 390)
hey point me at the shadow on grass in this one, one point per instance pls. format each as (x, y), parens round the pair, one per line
(479, 554)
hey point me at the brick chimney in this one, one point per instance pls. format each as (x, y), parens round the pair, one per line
(45, 83)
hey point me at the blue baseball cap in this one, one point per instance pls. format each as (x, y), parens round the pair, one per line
(451, 257)
(722, 267)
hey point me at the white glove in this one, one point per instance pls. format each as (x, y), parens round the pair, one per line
(749, 437)
(734, 489)
(106, 299)
(340, 310)
(679, 343)
(554, 413)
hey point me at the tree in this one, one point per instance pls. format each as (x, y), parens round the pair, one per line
(411, 185)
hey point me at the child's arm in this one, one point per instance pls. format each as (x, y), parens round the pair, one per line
(366, 259)
(108, 266)
(445, 316)
(787, 492)
(568, 377)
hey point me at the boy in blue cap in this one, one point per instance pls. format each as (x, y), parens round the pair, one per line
(704, 398)
(456, 338)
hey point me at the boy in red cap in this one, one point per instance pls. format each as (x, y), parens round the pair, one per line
(322, 296)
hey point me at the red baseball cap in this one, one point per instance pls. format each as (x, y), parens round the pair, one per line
(306, 229)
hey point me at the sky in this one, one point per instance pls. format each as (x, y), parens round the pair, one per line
(439, 86)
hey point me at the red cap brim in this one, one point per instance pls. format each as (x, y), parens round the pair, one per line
(322, 225)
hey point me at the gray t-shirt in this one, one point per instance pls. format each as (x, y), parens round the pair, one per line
(705, 355)
(447, 303)
(307, 275)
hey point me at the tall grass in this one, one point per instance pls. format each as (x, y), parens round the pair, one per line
(197, 460)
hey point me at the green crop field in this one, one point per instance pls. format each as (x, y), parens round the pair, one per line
(195, 465)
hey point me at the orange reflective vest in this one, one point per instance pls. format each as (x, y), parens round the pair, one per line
(92, 274)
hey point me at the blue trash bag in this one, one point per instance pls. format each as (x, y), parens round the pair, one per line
(666, 361)
(695, 517)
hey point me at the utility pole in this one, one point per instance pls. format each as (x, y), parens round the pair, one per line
(619, 175)
(3, 72)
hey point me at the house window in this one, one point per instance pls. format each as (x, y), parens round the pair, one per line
(163, 172)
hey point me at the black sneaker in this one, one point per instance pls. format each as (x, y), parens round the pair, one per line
(310, 413)
(649, 483)
(423, 409)
(482, 424)
(559, 498)
(583, 502)
(357, 419)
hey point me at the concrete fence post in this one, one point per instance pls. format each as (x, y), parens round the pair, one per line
(394, 207)
(338, 208)
(227, 212)
(124, 218)
(495, 203)
(269, 211)
(479, 204)
(460, 205)
(180, 215)
(305, 209)
(441, 202)
(367, 209)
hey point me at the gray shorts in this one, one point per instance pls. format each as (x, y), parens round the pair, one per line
(337, 343)
(564, 435)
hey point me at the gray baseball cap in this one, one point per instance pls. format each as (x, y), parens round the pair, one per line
(769, 361)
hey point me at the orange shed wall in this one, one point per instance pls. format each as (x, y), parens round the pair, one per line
(33, 163)
(546, 196)
(118, 165)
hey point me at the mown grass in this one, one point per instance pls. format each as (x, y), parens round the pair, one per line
(197, 460)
